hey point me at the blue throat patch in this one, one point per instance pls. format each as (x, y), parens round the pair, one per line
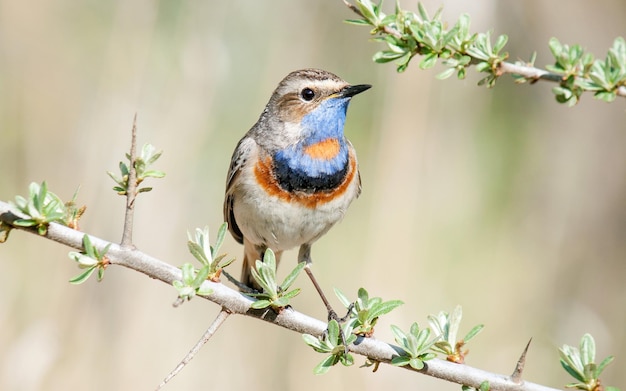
(297, 171)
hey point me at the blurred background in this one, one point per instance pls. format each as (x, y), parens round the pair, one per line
(499, 200)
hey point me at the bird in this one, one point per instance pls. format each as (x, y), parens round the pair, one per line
(294, 174)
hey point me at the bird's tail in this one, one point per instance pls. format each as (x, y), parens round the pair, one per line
(250, 255)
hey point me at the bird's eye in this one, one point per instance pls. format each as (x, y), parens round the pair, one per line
(307, 94)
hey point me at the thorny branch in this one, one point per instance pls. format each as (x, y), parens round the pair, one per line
(236, 303)
(528, 72)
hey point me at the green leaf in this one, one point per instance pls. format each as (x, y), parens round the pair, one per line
(24, 222)
(606, 96)
(260, 304)
(221, 234)
(386, 56)
(268, 274)
(416, 363)
(291, 294)
(399, 335)
(100, 274)
(79, 279)
(292, 276)
(259, 280)
(602, 365)
(153, 174)
(359, 22)
(422, 12)
(342, 298)
(385, 308)
(446, 74)
(42, 229)
(202, 275)
(473, 332)
(500, 42)
(587, 349)
(198, 252)
(428, 61)
(363, 295)
(346, 360)
(325, 365)
(400, 361)
(574, 373)
(333, 330)
(312, 341)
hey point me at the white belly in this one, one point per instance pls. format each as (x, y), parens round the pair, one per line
(281, 225)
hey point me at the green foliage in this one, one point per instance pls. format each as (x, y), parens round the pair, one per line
(331, 342)
(206, 254)
(90, 259)
(582, 73)
(192, 282)
(275, 296)
(365, 311)
(580, 364)
(446, 325)
(407, 34)
(44, 207)
(212, 265)
(148, 156)
(415, 345)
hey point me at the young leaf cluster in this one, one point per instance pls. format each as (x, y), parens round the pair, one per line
(44, 207)
(212, 264)
(580, 364)
(191, 283)
(149, 155)
(331, 342)
(273, 295)
(407, 34)
(365, 311)
(446, 326)
(581, 72)
(90, 259)
(415, 344)
(200, 247)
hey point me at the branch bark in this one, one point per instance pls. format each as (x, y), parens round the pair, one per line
(236, 303)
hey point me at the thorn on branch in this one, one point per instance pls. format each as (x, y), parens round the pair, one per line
(516, 376)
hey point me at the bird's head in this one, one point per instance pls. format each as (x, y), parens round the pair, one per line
(312, 104)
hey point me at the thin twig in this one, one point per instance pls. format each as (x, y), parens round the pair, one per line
(219, 320)
(237, 303)
(131, 191)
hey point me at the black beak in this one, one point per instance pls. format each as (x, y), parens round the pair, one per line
(351, 91)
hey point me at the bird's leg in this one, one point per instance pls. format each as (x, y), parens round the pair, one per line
(304, 255)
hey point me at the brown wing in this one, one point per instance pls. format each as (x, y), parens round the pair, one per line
(237, 162)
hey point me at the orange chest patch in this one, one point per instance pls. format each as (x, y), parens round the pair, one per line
(323, 150)
(267, 181)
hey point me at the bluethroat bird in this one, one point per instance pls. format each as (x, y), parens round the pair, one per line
(294, 174)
